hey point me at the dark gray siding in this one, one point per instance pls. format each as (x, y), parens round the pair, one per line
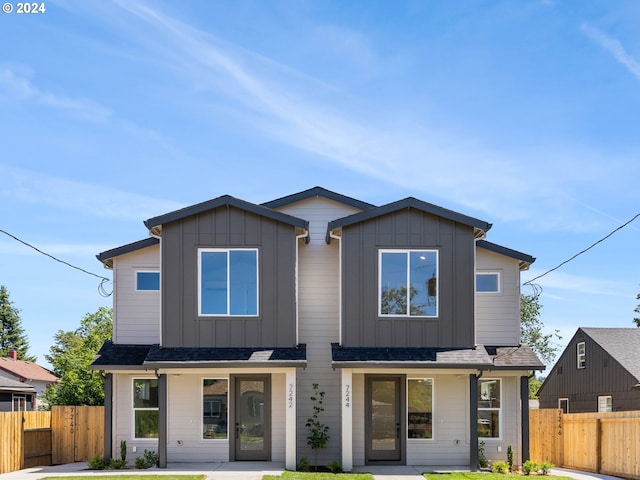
(601, 376)
(409, 228)
(228, 227)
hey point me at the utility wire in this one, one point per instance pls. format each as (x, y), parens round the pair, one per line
(101, 289)
(529, 282)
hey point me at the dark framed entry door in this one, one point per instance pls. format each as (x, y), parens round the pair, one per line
(252, 417)
(384, 419)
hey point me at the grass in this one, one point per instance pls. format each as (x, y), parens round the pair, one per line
(130, 477)
(319, 476)
(486, 476)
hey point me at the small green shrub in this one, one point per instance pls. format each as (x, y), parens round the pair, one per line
(482, 459)
(147, 460)
(500, 467)
(97, 463)
(303, 465)
(123, 450)
(545, 467)
(510, 458)
(116, 464)
(530, 467)
(335, 467)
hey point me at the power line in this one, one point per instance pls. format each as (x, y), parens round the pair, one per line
(101, 289)
(529, 282)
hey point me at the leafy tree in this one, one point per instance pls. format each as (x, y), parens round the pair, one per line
(534, 386)
(70, 357)
(318, 432)
(531, 329)
(12, 335)
(637, 310)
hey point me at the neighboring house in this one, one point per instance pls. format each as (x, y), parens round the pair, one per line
(599, 371)
(16, 396)
(402, 314)
(28, 374)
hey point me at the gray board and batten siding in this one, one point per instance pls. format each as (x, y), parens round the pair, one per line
(229, 226)
(415, 229)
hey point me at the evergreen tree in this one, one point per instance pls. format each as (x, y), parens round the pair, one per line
(12, 335)
(70, 357)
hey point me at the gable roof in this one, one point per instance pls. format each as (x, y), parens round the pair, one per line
(8, 385)
(25, 371)
(108, 256)
(621, 343)
(525, 260)
(155, 224)
(318, 192)
(479, 226)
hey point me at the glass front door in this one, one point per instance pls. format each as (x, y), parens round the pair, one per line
(252, 418)
(384, 426)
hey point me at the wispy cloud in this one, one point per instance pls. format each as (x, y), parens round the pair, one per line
(614, 47)
(91, 199)
(20, 86)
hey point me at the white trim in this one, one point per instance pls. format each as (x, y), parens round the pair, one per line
(581, 358)
(560, 400)
(499, 409)
(147, 270)
(133, 409)
(290, 419)
(433, 409)
(498, 274)
(346, 402)
(610, 406)
(201, 435)
(227, 251)
(408, 252)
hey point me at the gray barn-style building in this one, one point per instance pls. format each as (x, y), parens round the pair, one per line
(599, 371)
(403, 314)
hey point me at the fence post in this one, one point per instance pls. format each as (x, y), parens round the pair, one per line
(598, 445)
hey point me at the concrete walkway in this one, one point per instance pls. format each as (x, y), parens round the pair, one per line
(255, 471)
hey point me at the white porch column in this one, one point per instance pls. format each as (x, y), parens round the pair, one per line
(347, 419)
(290, 420)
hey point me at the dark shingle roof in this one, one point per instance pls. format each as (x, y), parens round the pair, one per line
(494, 247)
(9, 385)
(623, 344)
(318, 192)
(409, 202)
(517, 358)
(124, 357)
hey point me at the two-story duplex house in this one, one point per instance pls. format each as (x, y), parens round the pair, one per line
(403, 314)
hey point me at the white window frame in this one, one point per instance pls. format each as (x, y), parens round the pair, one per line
(490, 409)
(608, 403)
(581, 358)
(563, 399)
(228, 250)
(19, 396)
(408, 252)
(146, 271)
(433, 410)
(229, 430)
(498, 282)
(134, 409)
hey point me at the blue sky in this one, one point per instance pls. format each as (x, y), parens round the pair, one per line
(523, 114)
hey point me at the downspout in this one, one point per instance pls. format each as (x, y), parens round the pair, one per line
(298, 237)
(339, 239)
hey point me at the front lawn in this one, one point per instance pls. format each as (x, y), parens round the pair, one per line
(487, 476)
(319, 476)
(137, 476)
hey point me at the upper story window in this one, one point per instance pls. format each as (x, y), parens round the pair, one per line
(582, 355)
(488, 282)
(228, 282)
(408, 283)
(147, 281)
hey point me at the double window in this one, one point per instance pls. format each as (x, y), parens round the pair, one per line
(145, 408)
(489, 408)
(408, 283)
(228, 282)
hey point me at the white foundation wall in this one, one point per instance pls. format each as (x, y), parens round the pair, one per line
(136, 314)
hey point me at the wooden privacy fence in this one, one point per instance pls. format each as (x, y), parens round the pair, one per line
(606, 443)
(64, 435)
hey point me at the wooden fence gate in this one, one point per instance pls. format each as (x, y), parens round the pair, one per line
(67, 434)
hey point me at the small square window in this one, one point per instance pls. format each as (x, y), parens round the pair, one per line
(604, 403)
(147, 281)
(488, 282)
